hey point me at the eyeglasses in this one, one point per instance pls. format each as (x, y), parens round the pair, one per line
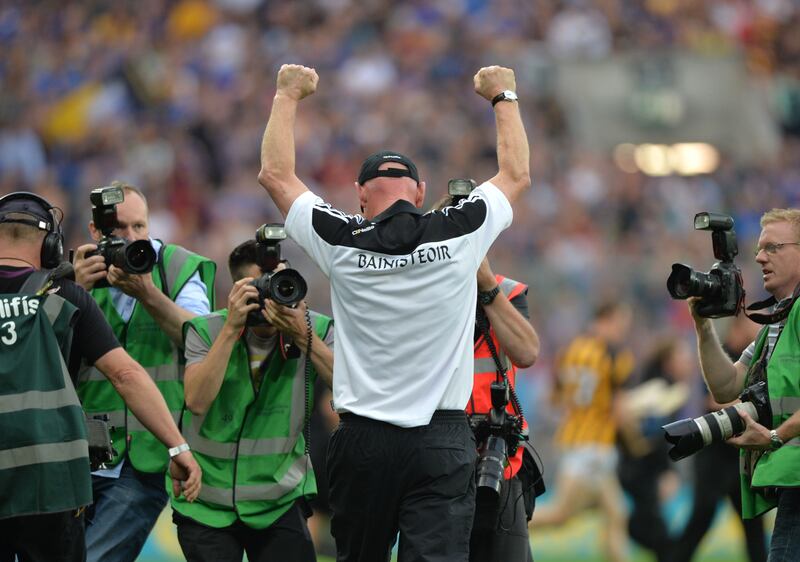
(772, 249)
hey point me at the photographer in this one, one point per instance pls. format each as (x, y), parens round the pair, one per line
(146, 312)
(248, 391)
(590, 373)
(404, 295)
(502, 316)
(44, 460)
(770, 462)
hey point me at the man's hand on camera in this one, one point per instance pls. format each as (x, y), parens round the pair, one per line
(693, 302)
(755, 437)
(241, 300)
(89, 271)
(289, 321)
(186, 475)
(491, 80)
(486, 278)
(132, 284)
(297, 81)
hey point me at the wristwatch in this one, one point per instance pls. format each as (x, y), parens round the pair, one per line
(775, 440)
(505, 95)
(175, 451)
(486, 297)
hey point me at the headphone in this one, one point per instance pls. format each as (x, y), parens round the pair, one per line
(52, 253)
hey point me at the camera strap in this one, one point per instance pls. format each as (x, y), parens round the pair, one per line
(41, 280)
(162, 273)
(778, 315)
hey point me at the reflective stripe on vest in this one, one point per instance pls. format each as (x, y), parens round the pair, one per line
(289, 481)
(487, 365)
(135, 425)
(158, 373)
(44, 453)
(785, 405)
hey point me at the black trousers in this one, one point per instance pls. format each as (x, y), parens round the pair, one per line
(49, 537)
(286, 539)
(418, 481)
(507, 538)
(716, 476)
(639, 476)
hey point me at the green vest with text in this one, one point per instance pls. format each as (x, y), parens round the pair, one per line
(44, 453)
(779, 468)
(149, 345)
(251, 445)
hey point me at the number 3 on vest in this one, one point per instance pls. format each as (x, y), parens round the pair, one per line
(9, 336)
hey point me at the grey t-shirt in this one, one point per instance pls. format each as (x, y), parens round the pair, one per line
(772, 337)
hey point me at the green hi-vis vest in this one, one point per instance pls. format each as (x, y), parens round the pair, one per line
(44, 453)
(149, 345)
(779, 468)
(250, 446)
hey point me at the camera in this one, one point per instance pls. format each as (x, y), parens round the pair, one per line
(689, 435)
(285, 286)
(498, 434)
(720, 290)
(132, 257)
(459, 189)
(99, 438)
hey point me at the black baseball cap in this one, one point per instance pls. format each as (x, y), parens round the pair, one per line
(369, 169)
(30, 204)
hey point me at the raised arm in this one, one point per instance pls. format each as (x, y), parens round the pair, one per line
(724, 378)
(514, 333)
(277, 173)
(513, 153)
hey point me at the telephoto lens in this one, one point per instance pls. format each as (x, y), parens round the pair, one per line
(688, 436)
(490, 470)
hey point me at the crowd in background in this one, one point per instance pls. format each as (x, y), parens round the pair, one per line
(173, 96)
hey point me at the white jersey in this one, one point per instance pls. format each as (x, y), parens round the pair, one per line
(403, 294)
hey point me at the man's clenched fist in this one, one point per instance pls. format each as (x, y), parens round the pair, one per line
(491, 80)
(297, 81)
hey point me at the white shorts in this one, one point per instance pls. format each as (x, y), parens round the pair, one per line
(592, 464)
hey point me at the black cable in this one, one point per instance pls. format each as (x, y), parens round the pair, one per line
(308, 367)
(483, 325)
(307, 402)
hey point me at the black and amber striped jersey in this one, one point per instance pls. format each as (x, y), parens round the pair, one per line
(589, 372)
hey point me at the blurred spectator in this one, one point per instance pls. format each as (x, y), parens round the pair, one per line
(660, 390)
(590, 372)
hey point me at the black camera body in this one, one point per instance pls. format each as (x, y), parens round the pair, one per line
(285, 286)
(132, 257)
(720, 290)
(498, 434)
(689, 436)
(99, 439)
